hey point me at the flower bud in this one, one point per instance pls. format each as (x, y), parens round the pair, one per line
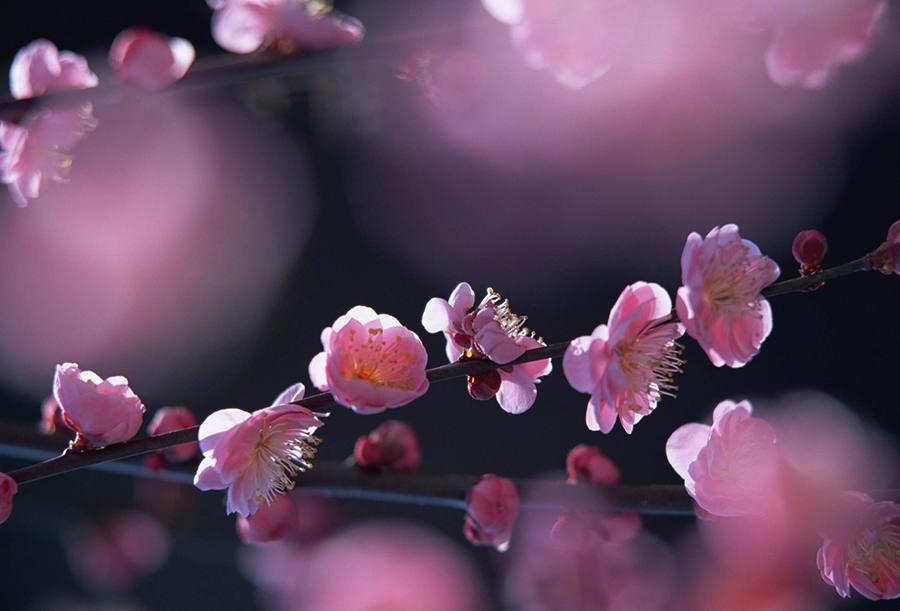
(492, 506)
(367, 453)
(269, 523)
(586, 464)
(8, 487)
(809, 249)
(393, 444)
(169, 419)
(484, 385)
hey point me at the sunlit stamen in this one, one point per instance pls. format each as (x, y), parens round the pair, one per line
(377, 361)
(649, 364)
(279, 454)
(733, 285)
(513, 325)
(877, 554)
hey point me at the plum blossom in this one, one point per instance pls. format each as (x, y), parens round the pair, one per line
(169, 419)
(243, 26)
(8, 488)
(627, 364)
(491, 331)
(255, 455)
(100, 411)
(41, 68)
(809, 248)
(720, 303)
(370, 362)
(887, 258)
(577, 42)
(492, 506)
(730, 468)
(149, 59)
(393, 444)
(809, 47)
(40, 149)
(271, 522)
(587, 464)
(863, 551)
(113, 554)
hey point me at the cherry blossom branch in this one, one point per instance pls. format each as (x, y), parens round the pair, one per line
(71, 461)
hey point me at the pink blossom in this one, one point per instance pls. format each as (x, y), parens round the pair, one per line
(586, 464)
(149, 59)
(490, 331)
(40, 150)
(393, 444)
(807, 49)
(243, 26)
(255, 455)
(627, 365)
(8, 488)
(577, 42)
(887, 258)
(41, 68)
(720, 303)
(731, 468)
(112, 555)
(271, 522)
(370, 363)
(100, 411)
(864, 550)
(169, 419)
(492, 506)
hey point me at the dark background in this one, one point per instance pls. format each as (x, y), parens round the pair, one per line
(841, 340)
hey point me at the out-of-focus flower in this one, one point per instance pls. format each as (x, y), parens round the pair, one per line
(8, 488)
(100, 411)
(41, 68)
(243, 26)
(886, 258)
(40, 150)
(587, 464)
(863, 551)
(577, 42)
(370, 363)
(627, 365)
(807, 49)
(256, 455)
(271, 522)
(169, 419)
(149, 59)
(492, 506)
(731, 468)
(52, 418)
(114, 554)
(490, 331)
(720, 303)
(393, 444)
(809, 248)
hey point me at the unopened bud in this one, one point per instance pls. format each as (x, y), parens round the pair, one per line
(484, 385)
(809, 249)
(367, 453)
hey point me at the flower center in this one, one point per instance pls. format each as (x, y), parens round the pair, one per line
(735, 279)
(377, 361)
(512, 324)
(279, 454)
(649, 364)
(877, 554)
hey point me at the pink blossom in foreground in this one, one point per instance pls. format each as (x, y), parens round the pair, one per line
(864, 550)
(492, 506)
(41, 68)
(149, 59)
(112, 555)
(490, 331)
(169, 419)
(577, 42)
(393, 444)
(730, 468)
(720, 303)
(8, 488)
(243, 26)
(40, 150)
(100, 411)
(270, 523)
(627, 365)
(370, 363)
(255, 455)
(808, 49)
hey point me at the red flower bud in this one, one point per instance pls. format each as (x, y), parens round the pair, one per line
(809, 249)
(484, 385)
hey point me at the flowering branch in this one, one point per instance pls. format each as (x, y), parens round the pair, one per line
(71, 461)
